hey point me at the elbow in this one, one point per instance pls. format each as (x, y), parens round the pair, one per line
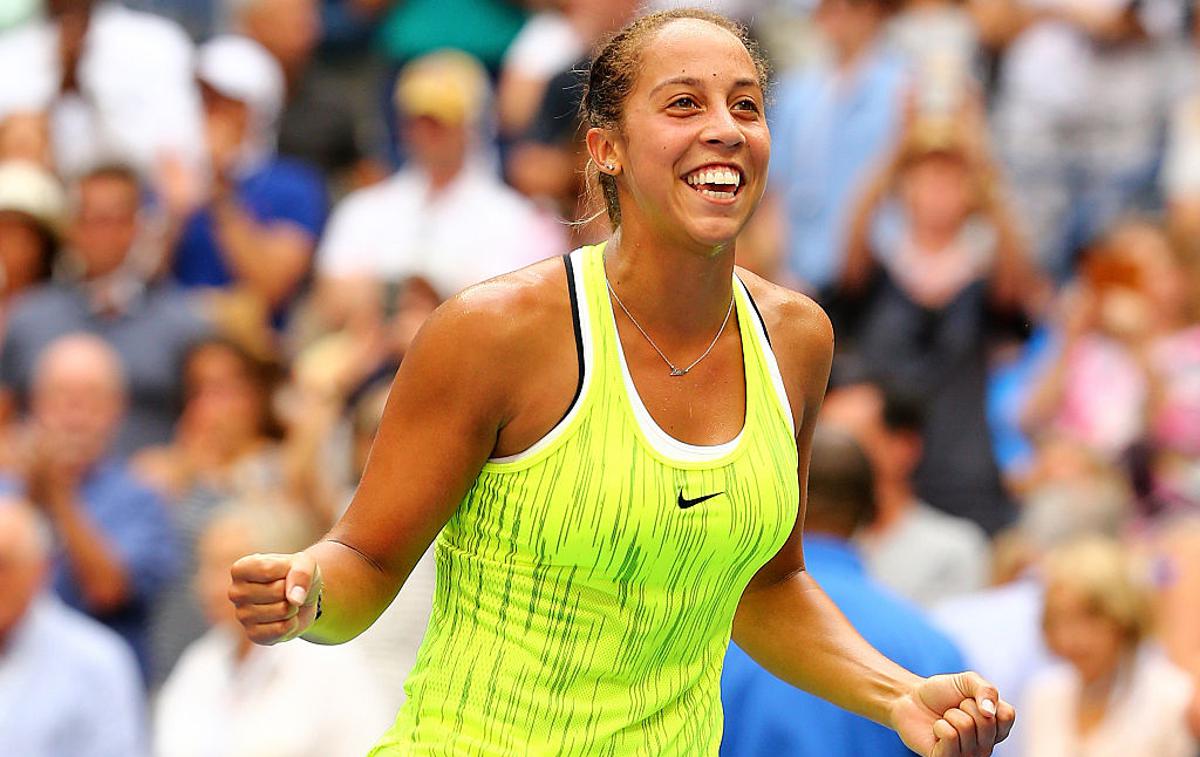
(107, 596)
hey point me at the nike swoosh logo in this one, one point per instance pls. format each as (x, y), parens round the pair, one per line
(685, 503)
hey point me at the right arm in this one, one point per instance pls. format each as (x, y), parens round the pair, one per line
(449, 400)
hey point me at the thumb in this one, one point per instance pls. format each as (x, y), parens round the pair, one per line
(973, 686)
(302, 578)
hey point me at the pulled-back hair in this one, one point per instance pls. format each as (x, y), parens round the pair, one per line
(613, 74)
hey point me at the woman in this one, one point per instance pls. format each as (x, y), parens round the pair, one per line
(614, 460)
(1116, 695)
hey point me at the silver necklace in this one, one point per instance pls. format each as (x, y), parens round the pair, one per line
(675, 371)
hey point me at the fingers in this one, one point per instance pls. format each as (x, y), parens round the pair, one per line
(245, 593)
(973, 686)
(262, 569)
(249, 615)
(947, 744)
(964, 727)
(984, 727)
(299, 580)
(1006, 716)
(273, 633)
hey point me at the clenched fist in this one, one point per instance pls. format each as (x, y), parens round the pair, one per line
(275, 595)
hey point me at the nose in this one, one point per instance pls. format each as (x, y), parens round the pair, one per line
(722, 129)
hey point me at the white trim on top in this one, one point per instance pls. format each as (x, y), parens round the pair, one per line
(585, 330)
(665, 444)
(759, 329)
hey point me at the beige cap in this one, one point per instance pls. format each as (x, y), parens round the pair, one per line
(449, 86)
(31, 190)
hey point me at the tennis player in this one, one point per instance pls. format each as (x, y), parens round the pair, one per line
(613, 447)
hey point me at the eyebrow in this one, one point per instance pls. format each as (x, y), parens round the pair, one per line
(691, 81)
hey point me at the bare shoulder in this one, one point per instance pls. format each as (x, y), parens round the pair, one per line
(500, 339)
(801, 333)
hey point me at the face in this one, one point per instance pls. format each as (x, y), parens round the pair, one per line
(1079, 633)
(693, 149)
(858, 409)
(289, 29)
(78, 403)
(221, 545)
(21, 568)
(435, 145)
(848, 25)
(105, 224)
(21, 252)
(226, 126)
(221, 393)
(937, 192)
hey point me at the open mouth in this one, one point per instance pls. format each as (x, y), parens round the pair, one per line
(716, 182)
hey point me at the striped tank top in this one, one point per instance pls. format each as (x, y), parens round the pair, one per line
(586, 587)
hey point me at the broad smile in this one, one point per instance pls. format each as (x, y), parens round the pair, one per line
(717, 182)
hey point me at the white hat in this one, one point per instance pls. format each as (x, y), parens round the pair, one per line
(31, 190)
(239, 68)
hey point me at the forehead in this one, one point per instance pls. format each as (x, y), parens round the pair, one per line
(694, 48)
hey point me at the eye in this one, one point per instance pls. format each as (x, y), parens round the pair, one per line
(686, 102)
(746, 104)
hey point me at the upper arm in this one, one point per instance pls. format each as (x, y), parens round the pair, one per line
(802, 337)
(451, 396)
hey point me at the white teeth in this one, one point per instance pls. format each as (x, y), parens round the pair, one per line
(725, 176)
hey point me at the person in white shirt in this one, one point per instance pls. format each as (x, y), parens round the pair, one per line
(228, 697)
(1117, 695)
(445, 217)
(117, 84)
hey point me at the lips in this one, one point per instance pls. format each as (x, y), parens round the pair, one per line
(716, 181)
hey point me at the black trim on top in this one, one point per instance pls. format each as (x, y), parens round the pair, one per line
(574, 297)
(758, 312)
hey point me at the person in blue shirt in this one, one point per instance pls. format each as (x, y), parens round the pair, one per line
(765, 717)
(258, 225)
(834, 120)
(68, 685)
(115, 547)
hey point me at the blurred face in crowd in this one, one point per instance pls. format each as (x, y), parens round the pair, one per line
(849, 25)
(858, 409)
(22, 565)
(57, 8)
(695, 113)
(288, 29)
(78, 397)
(222, 395)
(439, 147)
(23, 251)
(937, 192)
(105, 225)
(1077, 631)
(222, 544)
(226, 126)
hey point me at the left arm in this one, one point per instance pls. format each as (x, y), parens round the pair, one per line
(787, 623)
(269, 258)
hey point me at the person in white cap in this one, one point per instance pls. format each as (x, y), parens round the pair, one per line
(31, 216)
(256, 229)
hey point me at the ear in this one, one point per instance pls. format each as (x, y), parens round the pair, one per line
(603, 150)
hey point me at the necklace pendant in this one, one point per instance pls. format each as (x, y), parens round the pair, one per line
(679, 371)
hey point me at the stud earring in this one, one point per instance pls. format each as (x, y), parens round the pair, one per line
(610, 166)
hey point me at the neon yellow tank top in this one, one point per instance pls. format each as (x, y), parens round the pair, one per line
(586, 587)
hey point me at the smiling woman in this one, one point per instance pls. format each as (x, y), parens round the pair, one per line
(611, 450)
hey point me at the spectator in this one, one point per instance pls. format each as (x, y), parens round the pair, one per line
(317, 125)
(257, 229)
(764, 715)
(950, 275)
(1081, 145)
(68, 684)
(226, 446)
(26, 137)
(117, 546)
(32, 207)
(106, 291)
(1128, 361)
(834, 120)
(445, 217)
(230, 697)
(920, 553)
(1122, 695)
(116, 83)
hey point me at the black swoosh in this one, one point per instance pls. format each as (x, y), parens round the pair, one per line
(685, 503)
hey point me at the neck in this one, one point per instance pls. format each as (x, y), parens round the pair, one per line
(441, 175)
(934, 239)
(894, 499)
(674, 292)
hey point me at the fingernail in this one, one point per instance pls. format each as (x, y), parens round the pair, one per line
(297, 595)
(988, 706)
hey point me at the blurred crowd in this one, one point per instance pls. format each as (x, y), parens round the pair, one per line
(223, 221)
